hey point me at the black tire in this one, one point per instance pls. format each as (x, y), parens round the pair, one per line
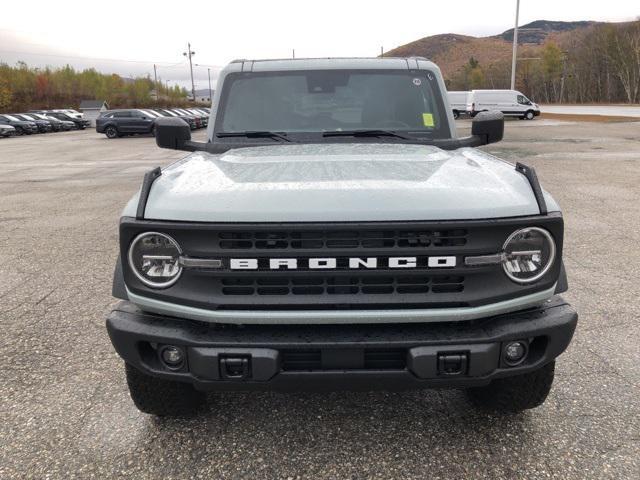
(19, 132)
(456, 114)
(514, 394)
(529, 115)
(162, 397)
(111, 132)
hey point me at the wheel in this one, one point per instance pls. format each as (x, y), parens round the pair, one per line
(160, 397)
(456, 114)
(514, 394)
(19, 132)
(111, 132)
(529, 115)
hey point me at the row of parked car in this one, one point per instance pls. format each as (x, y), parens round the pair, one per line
(119, 123)
(41, 121)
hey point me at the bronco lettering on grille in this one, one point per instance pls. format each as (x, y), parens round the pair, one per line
(332, 263)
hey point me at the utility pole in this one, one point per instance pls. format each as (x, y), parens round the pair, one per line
(515, 48)
(381, 51)
(155, 82)
(293, 53)
(189, 54)
(209, 74)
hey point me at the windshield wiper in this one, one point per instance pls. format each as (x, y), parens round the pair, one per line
(364, 133)
(254, 134)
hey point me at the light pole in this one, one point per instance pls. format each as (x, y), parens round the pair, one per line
(189, 53)
(209, 75)
(515, 48)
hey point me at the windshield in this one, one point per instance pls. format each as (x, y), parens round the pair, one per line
(12, 118)
(333, 100)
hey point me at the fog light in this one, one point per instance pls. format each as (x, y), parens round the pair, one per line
(172, 356)
(515, 353)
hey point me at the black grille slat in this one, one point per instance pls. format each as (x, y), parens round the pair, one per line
(374, 359)
(327, 240)
(331, 285)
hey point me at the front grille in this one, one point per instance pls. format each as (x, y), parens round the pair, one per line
(342, 285)
(372, 282)
(326, 239)
(370, 359)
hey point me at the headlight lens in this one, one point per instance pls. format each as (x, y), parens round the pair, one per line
(528, 254)
(154, 258)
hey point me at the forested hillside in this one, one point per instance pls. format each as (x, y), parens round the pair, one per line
(577, 62)
(23, 88)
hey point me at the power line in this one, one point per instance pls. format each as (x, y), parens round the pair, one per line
(146, 62)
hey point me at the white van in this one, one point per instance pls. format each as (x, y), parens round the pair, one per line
(458, 102)
(509, 102)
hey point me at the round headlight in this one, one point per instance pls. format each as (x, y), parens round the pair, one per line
(528, 254)
(154, 258)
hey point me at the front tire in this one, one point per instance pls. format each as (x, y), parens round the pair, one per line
(160, 397)
(514, 394)
(456, 114)
(529, 115)
(111, 132)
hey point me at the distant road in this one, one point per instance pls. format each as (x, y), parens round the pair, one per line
(606, 110)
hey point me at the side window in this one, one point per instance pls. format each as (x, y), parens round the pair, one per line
(122, 115)
(522, 100)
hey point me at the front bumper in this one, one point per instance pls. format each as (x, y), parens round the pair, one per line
(336, 357)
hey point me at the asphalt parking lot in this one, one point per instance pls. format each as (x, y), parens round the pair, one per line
(65, 410)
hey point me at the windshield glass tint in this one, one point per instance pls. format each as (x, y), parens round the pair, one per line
(333, 100)
(12, 118)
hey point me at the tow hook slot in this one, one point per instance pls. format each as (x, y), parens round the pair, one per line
(235, 368)
(463, 360)
(450, 364)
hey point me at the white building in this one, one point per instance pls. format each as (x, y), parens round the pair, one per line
(91, 109)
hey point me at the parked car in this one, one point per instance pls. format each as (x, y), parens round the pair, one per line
(184, 113)
(80, 123)
(350, 242)
(204, 117)
(458, 102)
(509, 102)
(7, 131)
(190, 119)
(70, 111)
(44, 126)
(23, 127)
(58, 125)
(118, 123)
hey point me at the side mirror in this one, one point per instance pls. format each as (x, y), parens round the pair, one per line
(172, 132)
(489, 126)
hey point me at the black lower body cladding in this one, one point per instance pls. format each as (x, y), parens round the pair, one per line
(335, 357)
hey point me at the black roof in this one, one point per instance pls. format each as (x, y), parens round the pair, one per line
(93, 104)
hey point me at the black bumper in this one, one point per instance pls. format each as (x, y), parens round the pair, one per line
(336, 357)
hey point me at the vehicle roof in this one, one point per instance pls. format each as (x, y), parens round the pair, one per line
(495, 91)
(354, 63)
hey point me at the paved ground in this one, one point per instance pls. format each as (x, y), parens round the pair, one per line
(64, 407)
(606, 110)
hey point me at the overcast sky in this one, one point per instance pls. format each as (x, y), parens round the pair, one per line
(128, 37)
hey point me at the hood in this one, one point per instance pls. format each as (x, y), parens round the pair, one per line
(339, 182)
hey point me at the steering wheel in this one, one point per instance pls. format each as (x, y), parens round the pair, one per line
(392, 124)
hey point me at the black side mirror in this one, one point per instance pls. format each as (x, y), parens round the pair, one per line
(489, 126)
(172, 132)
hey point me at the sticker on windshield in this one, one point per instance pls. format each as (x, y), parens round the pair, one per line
(417, 82)
(427, 120)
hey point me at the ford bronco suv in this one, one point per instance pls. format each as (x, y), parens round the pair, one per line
(334, 232)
